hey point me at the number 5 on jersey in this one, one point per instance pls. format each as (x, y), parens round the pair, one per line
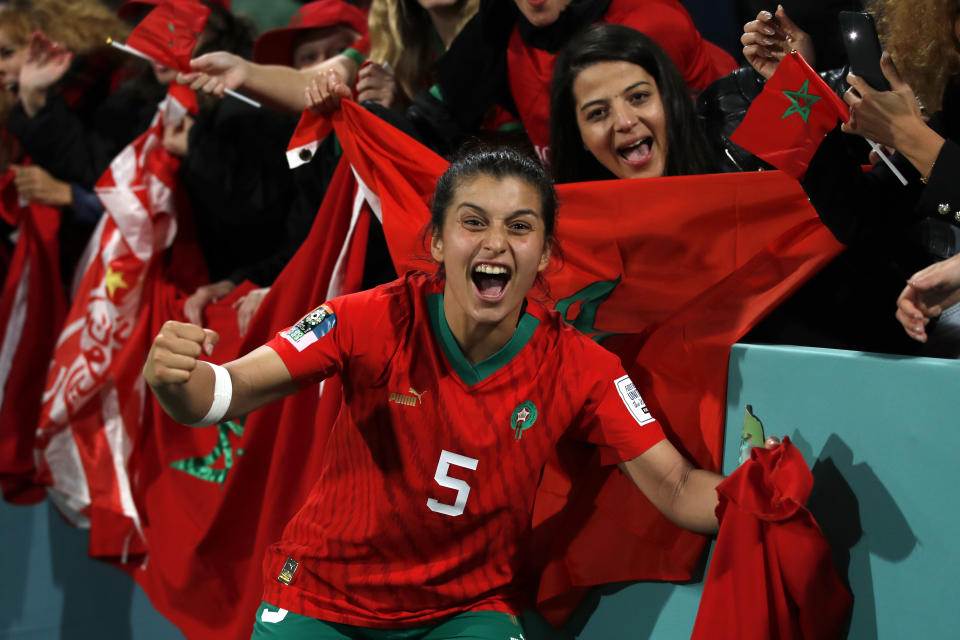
(448, 458)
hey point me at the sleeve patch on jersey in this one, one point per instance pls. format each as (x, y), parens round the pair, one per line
(631, 397)
(314, 326)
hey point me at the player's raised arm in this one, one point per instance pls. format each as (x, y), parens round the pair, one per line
(198, 393)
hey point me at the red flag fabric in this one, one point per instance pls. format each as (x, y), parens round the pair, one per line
(669, 284)
(788, 120)
(169, 33)
(310, 132)
(91, 413)
(213, 499)
(210, 500)
(771, 576)
(32, 308)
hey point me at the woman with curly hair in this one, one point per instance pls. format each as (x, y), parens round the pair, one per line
(59, 80)
(56, 65)
(902, 227)
(927, 63)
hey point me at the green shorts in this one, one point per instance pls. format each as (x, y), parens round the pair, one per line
(473, 625)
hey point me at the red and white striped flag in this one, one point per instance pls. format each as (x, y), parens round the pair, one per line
(90, 417)
(32, 308)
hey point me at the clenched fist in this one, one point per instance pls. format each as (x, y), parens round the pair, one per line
(175, 351)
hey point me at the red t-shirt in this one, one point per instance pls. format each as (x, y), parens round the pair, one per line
(665, 21)
(423, 505)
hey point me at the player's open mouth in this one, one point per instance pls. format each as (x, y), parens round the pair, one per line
(638, 152)
(490, 280)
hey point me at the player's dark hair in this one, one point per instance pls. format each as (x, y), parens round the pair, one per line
(497, 163)
(687, 149)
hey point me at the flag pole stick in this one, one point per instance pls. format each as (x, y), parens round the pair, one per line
(886, 161)
(229, 92)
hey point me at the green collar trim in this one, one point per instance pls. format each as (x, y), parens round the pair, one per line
(472, 374)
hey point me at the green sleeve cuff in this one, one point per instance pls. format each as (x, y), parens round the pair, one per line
(355, 55)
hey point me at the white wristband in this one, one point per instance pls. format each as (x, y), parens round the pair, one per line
(222, 394)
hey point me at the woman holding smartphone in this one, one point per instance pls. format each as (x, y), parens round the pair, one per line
(904, 227)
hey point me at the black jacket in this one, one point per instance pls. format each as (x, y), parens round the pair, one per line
(239, 185)
(85, 123)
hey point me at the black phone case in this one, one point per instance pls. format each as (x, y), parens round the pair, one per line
(863, 47)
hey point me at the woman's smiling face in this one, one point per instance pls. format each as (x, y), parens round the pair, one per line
(492, 246)
(621, 118)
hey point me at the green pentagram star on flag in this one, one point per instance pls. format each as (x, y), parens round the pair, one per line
(800, 101)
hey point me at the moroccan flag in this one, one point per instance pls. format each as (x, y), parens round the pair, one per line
(169, 33)
(32, 309)
(788, 120)
(90, 416)
(668, 285)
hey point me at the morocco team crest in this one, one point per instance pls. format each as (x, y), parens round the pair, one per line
(523, 418)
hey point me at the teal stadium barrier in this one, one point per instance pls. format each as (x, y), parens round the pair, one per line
(878, 431)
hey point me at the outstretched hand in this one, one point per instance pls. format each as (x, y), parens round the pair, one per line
(770, 37)
(927, 294)
(215, 72)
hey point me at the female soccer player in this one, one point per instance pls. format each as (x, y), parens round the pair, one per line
(457, 386)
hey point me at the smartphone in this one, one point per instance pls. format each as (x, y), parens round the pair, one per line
(863, 47)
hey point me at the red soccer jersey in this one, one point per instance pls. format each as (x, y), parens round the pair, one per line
(665, 21)
(423, 505)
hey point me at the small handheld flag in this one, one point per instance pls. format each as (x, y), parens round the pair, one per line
(168, 36)
(787, 122)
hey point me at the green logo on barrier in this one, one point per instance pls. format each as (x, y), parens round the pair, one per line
(202, 467)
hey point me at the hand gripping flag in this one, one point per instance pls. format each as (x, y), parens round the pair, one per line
(684, 267)
(169, 33)
(90, 416)
(772, 575)
(32, 308)
(788, 120)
